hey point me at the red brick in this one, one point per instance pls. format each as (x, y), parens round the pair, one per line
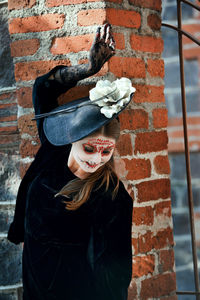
(10, 129)
(23, 168)
(8, 96)
(124, 145)
(119, 39)
(178, 121)
(26, 125)
(143, 265)
(160, 117)
(36, 23)
(138, 168)
(153, 4)
(163, 238)
(130, 191)
(158, 286)
(154, 21)
(166, 260)
(52, 3)
(124, 18)
(28, 148)
(155, 67)
(191, 53)
(24, 47)
(153, 190)
(9, 140)
(161, 164)
(8, 118)
(31, 70)
(144, 243)
(132, 119)
(149, 93)
(163, 208)
(24, 97)
(143, 215)
(127, 67)
(18, 4)
(72, 44)
(151, 141)
(146, 43)
(91, 17)
(132, 291)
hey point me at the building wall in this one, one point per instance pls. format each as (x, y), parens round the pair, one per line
(47, 33)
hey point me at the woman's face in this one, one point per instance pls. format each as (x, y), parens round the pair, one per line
(92, 152)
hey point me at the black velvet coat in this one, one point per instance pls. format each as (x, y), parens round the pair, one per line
(69, 255)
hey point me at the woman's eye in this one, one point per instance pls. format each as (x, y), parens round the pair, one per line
(106, 152)
(88, 149)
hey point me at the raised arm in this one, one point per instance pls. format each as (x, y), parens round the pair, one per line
(103, 48)
(49, 87)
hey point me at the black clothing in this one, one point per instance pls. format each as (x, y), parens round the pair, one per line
(69, 255)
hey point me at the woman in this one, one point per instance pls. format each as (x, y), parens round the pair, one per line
(72, 213)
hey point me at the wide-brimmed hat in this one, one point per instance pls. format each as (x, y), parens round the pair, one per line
(79, 118)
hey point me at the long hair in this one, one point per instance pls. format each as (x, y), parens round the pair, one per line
(80, 189)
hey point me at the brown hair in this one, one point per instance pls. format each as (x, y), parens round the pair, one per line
(79, 189)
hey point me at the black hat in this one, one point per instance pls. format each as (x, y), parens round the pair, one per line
(79, 118)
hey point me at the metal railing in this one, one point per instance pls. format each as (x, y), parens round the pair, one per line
(182, 32)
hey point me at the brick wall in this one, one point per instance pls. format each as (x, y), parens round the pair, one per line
(52, 32)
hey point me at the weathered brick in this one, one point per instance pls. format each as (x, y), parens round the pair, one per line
(161, 164)
(163, 208)
(155, 67)
(160, 117)
(149, 93)
(158, 286)
(52, 3)
(24, 47)
(91, 17)
(19, 4)
(10, 129)
(9, 141)
(127, 67)
(75, 44)
(23, 168)
(124, 145)
(132, 291)
(163, 238)
(166, 260)
(151, 141)
(153, 4)
(153, 190)
(28, 148)
(146, 43)
(132, 119)
(30, 70)
(124, 18)
(143, 215)
(26, 125)
(154, 21)
(119, 39)
(143, 265)
(138, 168)
(36, 23)
(24, 97)
(8, 96)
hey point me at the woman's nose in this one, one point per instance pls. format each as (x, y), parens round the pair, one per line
(97, 157)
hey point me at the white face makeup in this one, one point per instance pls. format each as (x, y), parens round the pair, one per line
(92, 152)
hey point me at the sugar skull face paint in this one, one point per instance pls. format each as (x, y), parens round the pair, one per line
(93, 152)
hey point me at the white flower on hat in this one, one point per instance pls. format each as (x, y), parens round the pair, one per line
(113, 95)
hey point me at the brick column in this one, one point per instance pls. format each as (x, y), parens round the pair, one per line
(49, 33)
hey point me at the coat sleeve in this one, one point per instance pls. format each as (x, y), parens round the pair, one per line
(45, 94)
